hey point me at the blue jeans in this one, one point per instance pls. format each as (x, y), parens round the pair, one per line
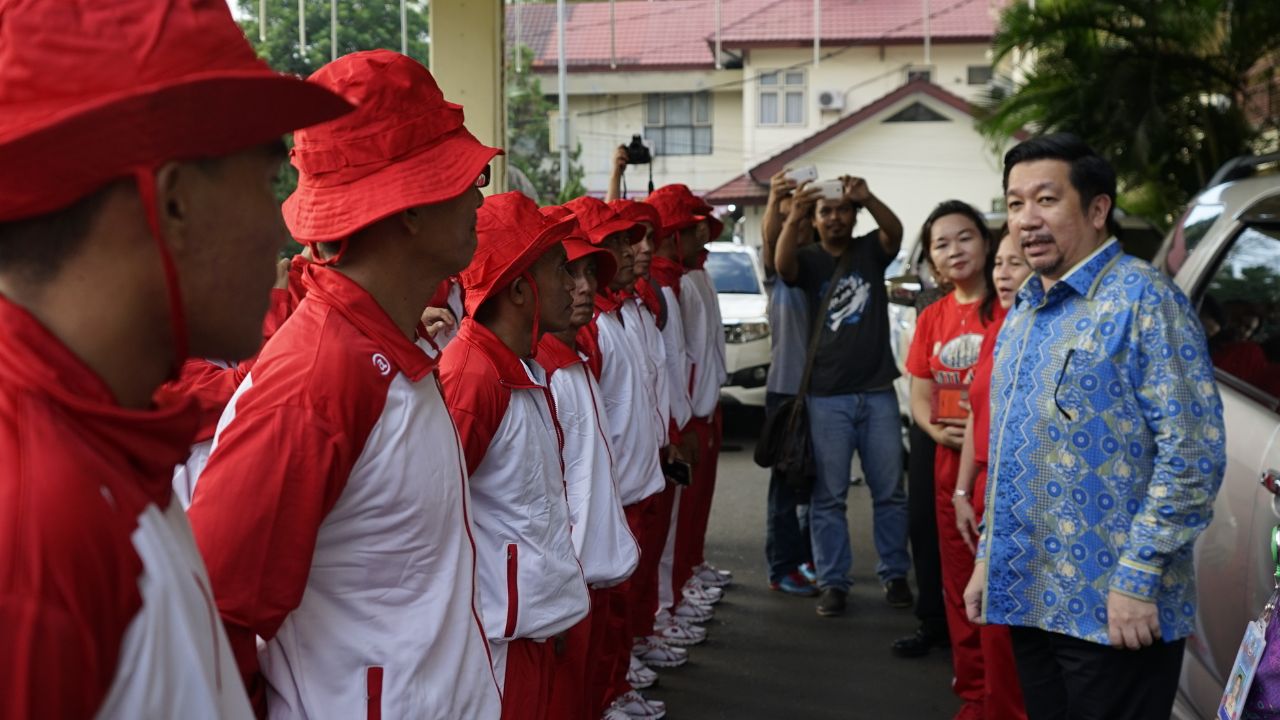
(786, 543)
(869, 424)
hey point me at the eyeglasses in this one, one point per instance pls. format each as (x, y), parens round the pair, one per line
(1061, 374)
(485, 176)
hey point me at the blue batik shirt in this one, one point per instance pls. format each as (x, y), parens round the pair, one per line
(1107, 448)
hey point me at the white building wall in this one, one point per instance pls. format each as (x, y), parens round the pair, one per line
(910, 166)
(862, 74)
(606, 109)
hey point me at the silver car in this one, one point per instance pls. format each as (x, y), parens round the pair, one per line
(735, 271)
(1225, 254)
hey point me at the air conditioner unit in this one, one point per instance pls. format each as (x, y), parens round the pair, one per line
(831, 100)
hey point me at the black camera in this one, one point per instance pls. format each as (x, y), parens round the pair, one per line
(638, 152)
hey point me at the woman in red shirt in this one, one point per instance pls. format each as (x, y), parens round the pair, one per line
(1003, 694)
(943, 352)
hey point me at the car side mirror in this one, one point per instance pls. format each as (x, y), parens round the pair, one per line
(903, 289)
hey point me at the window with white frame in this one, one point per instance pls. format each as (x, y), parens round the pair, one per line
(781, 95)
(678, 123)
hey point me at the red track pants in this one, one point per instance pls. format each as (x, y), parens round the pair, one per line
(609, 648)
(982, 656)
(695, 503)
(526, 693)
(569, 683)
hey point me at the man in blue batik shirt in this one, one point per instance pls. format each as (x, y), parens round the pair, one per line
(1107, 448)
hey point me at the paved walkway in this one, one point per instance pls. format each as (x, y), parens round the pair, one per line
(769, 655)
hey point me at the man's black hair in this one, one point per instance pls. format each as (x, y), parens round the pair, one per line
(34, 250)
(1091, 175)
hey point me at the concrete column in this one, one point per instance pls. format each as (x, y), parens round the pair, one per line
(467, 60)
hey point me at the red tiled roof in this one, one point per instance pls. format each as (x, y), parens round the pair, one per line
(680, 34)
(790, 22)
(752, 187)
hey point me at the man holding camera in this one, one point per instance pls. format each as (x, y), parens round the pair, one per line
(850, 400)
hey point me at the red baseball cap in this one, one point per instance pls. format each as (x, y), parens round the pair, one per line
(510, 237)
(599, 221)
(679, 208)
(577, 245)
(404, 146)
(92, 91)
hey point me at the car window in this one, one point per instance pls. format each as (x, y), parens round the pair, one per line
(732, 272)
(1187, 234)
(1240, 311)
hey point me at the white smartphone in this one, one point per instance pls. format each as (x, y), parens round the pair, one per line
(808, 173)
(832, 189)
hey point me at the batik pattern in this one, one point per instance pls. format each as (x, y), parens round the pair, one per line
(1107, 448)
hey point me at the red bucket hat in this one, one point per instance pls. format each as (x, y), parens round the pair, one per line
(679, 208)
(599, 221)
(404, 146)
(577, 245)
(91, 92)
(510, 237)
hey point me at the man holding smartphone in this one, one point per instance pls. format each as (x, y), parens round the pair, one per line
(850, 399)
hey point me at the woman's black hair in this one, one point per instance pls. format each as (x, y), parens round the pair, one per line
(958, 207)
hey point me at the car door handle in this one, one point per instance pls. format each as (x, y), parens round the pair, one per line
(1271, 481)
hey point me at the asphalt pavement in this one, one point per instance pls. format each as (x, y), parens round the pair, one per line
(769, 655)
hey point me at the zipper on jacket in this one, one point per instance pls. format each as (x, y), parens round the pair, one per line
(513, 594)
(373, 693)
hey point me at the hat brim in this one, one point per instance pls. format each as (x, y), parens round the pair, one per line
(54, 160)
(550, 236)
(439, 172)
(714, 226)
(576, 248)
(635, 231)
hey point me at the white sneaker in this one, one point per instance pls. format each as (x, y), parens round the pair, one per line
(653, 652)
(614, 712)
(712, 577)
(673, 633)
(637, 706)
(702, 595)
(639, 676)
(693, 611)
(684, 622)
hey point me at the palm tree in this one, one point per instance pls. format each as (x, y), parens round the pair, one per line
(1154, 85)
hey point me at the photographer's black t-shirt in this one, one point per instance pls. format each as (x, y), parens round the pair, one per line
(853, 353)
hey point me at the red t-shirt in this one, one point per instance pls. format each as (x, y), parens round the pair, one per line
(945, 349)
(980, 390)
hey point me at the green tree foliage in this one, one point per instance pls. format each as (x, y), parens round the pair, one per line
(529, 135)
(362, 25)
(1154, 85)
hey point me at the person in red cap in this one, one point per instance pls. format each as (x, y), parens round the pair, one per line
(637, 435)
(138, 141)
(688, 222)
(606, 548)
(334, 514)
(657, 288)
(531, 585)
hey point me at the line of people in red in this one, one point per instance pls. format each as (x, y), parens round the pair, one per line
(470, 511)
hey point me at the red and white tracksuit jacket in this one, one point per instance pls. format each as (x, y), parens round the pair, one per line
(631, 404)
(704, 340)
(601, 537)
(642, 326)
(105, 607)
(531, 585)
(335, 520)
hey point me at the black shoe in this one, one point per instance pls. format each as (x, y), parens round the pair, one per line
(918, 644)
(898, 593)
(831, 603)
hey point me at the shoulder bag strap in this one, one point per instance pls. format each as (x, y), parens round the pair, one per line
(815, 332)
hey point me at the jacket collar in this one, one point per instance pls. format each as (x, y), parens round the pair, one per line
(360, 309)
(554, 355)
(1081, 279)
(512, 372)
(151, 441)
